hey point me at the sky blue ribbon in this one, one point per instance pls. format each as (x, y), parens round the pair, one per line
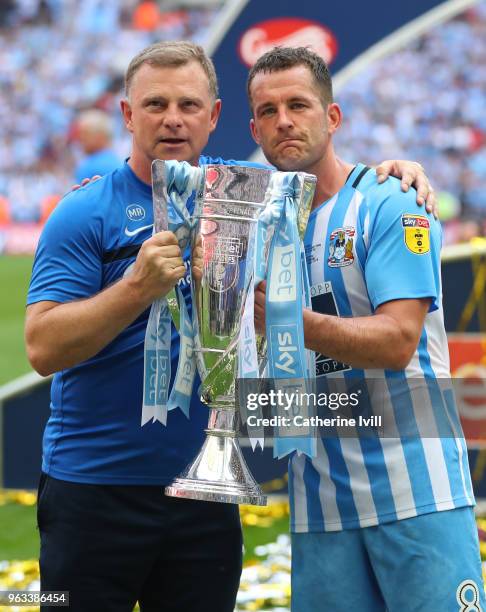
(181, 180)
(287, 293)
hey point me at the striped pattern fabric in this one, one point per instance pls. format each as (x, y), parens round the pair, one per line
(358, 258)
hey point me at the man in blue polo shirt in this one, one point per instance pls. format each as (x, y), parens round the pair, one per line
(108, 534)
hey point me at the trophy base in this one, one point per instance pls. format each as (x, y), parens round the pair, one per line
(215, 492)
(218, 474)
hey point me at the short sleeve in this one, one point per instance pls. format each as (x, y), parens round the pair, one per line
(403, 254)
(68, 260)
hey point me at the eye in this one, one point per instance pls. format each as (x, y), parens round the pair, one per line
(189, 105)
(267, 111)
(154, 104)
(298, 105)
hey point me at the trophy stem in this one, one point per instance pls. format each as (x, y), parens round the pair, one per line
(219, 472)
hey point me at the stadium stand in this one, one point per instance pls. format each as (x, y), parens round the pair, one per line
(60, 57)
(426, 102)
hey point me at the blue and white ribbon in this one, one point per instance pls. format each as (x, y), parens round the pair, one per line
(286, 295)
(279, 257)
(180, 396)
(181, 181)
(156, 363)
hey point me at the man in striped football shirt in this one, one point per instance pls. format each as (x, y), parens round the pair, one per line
(381, 522)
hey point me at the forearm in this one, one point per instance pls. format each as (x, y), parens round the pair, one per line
(59, 336)
(63, 335)
(362, 342)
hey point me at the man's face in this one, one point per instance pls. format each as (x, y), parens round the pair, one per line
(170, 112)
(290, 121)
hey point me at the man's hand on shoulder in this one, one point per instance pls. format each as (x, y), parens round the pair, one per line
(411, 174)
(85, 181)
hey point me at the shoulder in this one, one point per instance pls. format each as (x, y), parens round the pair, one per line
(94, 193)
(391, 209)
(387, 196)
(86, 208)
(377, 192)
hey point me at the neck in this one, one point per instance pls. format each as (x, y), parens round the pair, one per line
(331, 174)
(141, 167)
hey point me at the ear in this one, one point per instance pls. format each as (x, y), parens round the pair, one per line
(126, 110)
(254, 131)
(334, 117)
(215, 113)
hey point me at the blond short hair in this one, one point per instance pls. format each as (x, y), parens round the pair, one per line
(173, 54)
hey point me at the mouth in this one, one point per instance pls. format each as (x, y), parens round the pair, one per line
(288, 142)
(172, 141)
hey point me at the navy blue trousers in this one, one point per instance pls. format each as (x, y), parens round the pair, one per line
(113, 545)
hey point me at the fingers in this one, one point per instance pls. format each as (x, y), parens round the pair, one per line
(425, 191)
(197, 263)
(94, 178)
(408, 179)
(259, 308)
(411, 174)
(167, 251)
(420, 181)
(196, 274)
(432, 204)
(85, 181)
(384, 170)
(178, 272)
(164, 238)
(159, 265)
(260, 291)
(162, 255)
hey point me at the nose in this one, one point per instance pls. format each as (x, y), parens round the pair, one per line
(172, 117)
(284, 121)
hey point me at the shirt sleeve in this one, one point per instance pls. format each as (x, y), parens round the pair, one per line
(68, 260)
(403, 255)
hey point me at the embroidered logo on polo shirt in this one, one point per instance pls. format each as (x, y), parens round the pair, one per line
(341, 243)
(135, 212)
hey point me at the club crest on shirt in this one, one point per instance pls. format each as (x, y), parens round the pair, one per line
(416, 231)
(341, 243)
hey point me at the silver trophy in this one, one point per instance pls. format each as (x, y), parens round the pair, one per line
(225, 217)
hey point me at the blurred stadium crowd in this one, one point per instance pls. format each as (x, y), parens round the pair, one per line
(427, 102)
(60, 57)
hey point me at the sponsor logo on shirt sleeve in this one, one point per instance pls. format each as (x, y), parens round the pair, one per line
(416, 230)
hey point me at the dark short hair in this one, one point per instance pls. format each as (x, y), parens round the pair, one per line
(172, 54)
(283, 58)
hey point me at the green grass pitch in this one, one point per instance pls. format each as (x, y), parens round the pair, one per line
(14, 281)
